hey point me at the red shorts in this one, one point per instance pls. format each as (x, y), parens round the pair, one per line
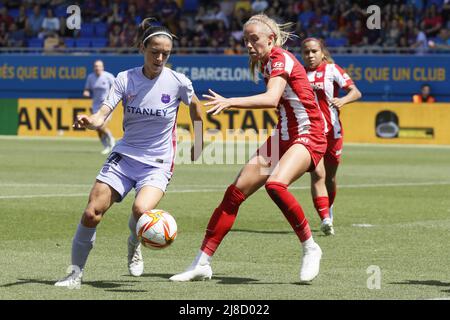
(334, 150)
(315, 144)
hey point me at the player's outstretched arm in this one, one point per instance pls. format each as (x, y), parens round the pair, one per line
(197, 123)
(93, 122)
(268, 99)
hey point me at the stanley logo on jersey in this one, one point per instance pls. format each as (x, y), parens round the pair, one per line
(147, 111)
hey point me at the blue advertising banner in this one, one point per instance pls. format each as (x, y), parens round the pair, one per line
(380, 77)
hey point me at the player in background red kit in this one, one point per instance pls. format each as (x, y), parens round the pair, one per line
(295, 148)
(326, 79)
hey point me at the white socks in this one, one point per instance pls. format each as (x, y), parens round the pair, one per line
(82, 244)
(309, 244)
(132, 225)
(201, 259)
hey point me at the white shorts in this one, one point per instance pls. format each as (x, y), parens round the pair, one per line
(123, 173)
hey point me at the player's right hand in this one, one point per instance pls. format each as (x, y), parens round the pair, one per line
(84, 121)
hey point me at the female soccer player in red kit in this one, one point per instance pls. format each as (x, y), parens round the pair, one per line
(299, 141)
(326, 78)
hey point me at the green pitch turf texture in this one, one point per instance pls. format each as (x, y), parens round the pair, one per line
(392, 211)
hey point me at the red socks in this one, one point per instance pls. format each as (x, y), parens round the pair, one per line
(331, 196)
(222, 219)
(290, 208)
(322, 207)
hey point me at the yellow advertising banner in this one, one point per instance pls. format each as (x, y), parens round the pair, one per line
(54, 117)
(366, 122)
(395, 122)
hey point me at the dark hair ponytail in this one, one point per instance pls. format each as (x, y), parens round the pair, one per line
(148, 27)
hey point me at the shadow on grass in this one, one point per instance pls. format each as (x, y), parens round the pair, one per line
(94, 284)
(219, 279)
(261, 231)
(434, 283)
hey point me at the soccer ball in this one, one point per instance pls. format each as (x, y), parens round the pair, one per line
(156, 229)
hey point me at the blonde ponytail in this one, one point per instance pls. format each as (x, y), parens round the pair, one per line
(279, 31)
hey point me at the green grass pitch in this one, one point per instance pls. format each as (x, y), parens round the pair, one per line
(392, 211)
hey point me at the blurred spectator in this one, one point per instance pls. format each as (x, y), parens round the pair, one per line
(259, 6)
(182, 46)
(233, 47)
(132, 16)
(16, 36)
(215, 47)
(5, 18)
(424, 96)
(21, 20)
(34, 22)
(214, 15)
(355, 13)
(306, 14)
(102, 13)
(184, 30)
(169, 13)
(432, 22)
(115, 16)
(421, 43)
(128, 35)
(50, 24)
(227, 7)
(115, 36)
(51, 41)
(392, 35)
(442, 41)
(242, 4)
(4, 38)
(220, 34)
(356, 34)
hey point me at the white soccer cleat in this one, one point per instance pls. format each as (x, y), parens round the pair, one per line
(327, 227)
(310, 263)
(194, 273)
(72, 281)
(106, 150)
(135, 260)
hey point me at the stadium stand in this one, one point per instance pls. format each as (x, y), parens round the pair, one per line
(408, 26)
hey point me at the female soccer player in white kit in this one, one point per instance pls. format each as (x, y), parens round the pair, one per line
(144, 157)
(98, 84)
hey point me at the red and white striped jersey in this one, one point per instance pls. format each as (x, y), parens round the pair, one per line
(298, 112)
(326, 80)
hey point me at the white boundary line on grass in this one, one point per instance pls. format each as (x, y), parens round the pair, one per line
(394, 145)
(213, 188)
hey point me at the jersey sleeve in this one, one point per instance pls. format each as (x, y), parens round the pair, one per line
(111, 80)
(341, 77)
(186, 90)
(280, 63)
(87, 84)
(117, 91)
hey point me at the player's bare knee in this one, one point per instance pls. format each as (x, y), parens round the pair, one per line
(138, 210)
(91, 217)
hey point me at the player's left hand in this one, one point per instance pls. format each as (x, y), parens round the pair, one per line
(337, 103)
(218, 102)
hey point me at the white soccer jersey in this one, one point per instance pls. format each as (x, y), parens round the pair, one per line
(99, 87)
(150, 113)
